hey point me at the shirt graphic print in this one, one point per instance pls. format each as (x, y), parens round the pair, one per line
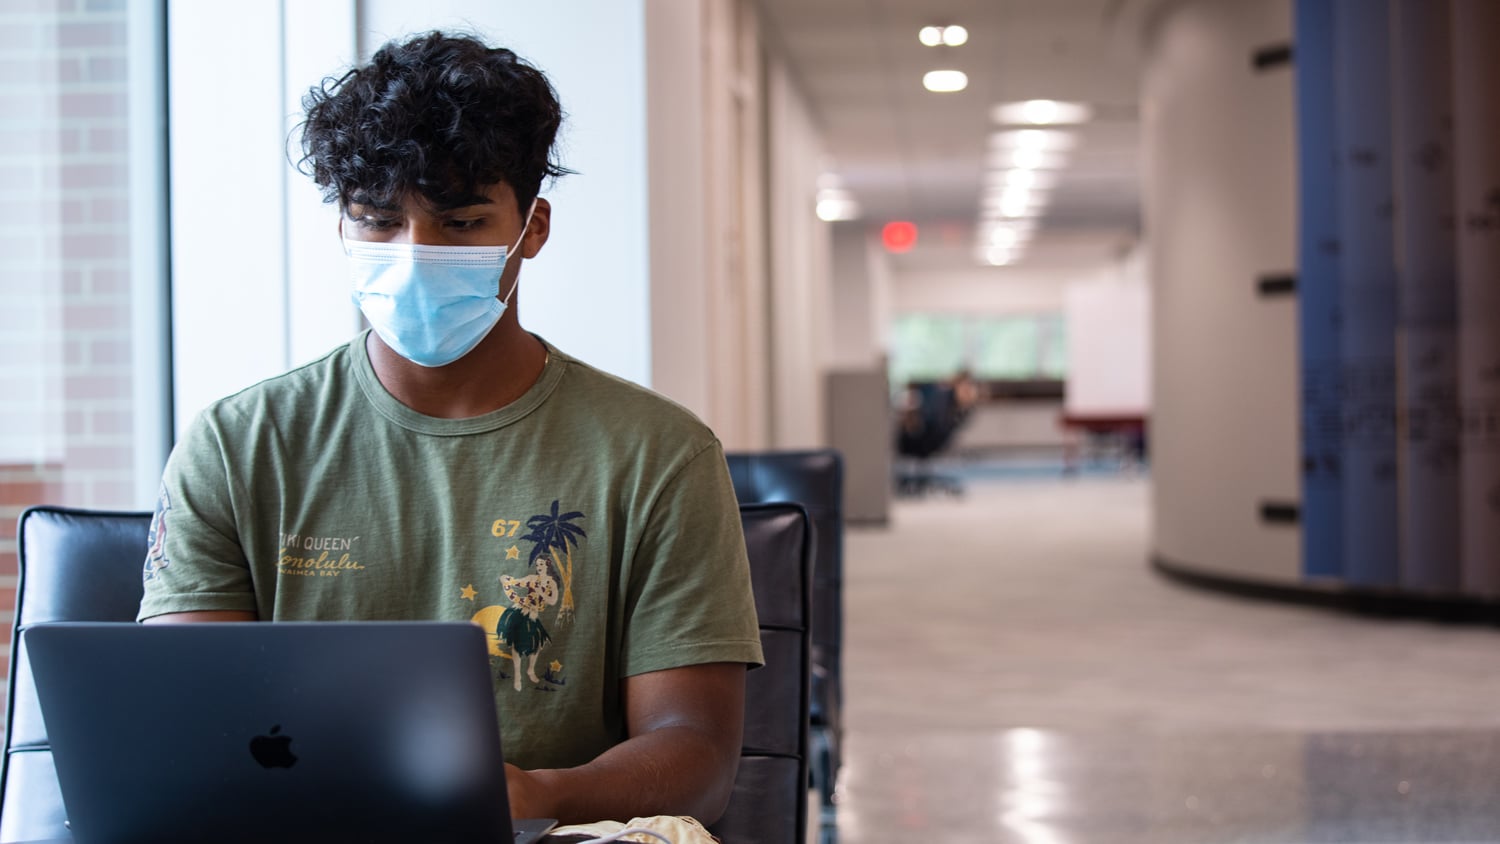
(520, 628)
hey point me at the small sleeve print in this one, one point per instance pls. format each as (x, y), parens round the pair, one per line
(194, 560)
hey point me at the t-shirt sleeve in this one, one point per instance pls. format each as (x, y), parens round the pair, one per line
(195, 561)
(688, 592)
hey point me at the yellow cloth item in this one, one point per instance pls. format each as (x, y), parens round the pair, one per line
(681, 830)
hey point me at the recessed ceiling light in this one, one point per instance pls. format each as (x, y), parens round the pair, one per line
(835, 205)
(1012, 204)
(1022, 178)
(945, 81)
(1004, 236)
(999, 256)
(1042, 112)
(947, 36)
(1043, 140)
(1035, 159)
(1001, 158)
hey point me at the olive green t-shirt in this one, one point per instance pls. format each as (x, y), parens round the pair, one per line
(590, 527)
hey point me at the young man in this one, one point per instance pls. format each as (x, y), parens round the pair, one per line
(449, 465)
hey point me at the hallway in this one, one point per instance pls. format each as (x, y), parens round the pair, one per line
(1016, 672)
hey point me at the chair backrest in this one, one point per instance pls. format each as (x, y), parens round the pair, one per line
(75, 565)
(814, 479)
(62, 550)
(769, 802)
(939, 416)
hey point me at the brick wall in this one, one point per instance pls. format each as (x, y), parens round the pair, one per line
(65, 341)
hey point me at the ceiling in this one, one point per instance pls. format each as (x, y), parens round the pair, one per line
(909, 154)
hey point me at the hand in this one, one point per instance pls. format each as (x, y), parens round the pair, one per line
(528, 796)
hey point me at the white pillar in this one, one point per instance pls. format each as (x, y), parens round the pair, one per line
(1220, 213)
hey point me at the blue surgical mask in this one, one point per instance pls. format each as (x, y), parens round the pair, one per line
(431, 304)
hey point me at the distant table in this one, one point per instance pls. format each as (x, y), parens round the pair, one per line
(1128, 427)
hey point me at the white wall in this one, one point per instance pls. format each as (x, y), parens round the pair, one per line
(733, 281)
(229, 292)
(858, 336)
(678, 202)
(983, 290)
(801, 270)
(1109, 349)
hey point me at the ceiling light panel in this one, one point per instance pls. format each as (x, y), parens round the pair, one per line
(1042, 113)
(1041, 140)
(945, 81)
(943, 36)
(1027, 159)
(1022, 178)
(835, 205)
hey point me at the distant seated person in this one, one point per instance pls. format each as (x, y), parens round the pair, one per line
(929, 414)
(966, 394)
(449, 465)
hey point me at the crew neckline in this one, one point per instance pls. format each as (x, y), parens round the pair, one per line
(388, 406)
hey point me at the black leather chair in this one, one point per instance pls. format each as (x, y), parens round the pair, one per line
(814, 479)
(769, 802)
(75, 565)
(62, 550)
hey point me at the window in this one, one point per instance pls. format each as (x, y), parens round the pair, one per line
(927, 347)
(83, 327)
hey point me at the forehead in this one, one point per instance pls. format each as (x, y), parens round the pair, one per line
(498, 194)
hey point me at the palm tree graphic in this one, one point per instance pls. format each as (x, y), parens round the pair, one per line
(554, 537)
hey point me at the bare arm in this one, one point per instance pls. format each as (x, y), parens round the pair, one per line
(685, 728)
(205, 615)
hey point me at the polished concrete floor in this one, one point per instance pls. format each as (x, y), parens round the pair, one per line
(1015, 672)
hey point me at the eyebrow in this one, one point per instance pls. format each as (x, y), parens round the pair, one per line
(468, 201)
(365, 202)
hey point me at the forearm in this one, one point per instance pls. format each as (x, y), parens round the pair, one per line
(674, 770)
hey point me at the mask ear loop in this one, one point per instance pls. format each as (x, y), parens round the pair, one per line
(517, 247)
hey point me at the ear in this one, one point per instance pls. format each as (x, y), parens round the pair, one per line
(538, 231)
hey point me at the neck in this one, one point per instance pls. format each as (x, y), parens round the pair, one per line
(505, 364)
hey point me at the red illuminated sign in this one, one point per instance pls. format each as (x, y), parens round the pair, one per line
(899, 236)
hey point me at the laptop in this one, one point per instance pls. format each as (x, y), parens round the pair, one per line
(253, 732)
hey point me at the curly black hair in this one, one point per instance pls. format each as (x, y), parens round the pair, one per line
(441, 116)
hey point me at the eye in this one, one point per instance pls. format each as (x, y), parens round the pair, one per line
(377, 223)
(466, 224)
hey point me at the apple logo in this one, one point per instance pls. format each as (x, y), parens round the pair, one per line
(273, 751)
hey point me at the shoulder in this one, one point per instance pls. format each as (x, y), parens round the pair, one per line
(279, 407)
(615, 404)
(295, 393)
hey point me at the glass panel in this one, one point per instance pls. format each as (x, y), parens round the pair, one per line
(1054, 347)
(926, 348)
(1006, 348)
(71, 355)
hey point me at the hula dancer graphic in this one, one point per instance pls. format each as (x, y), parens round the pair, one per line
(555, 536)
(520, 626)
